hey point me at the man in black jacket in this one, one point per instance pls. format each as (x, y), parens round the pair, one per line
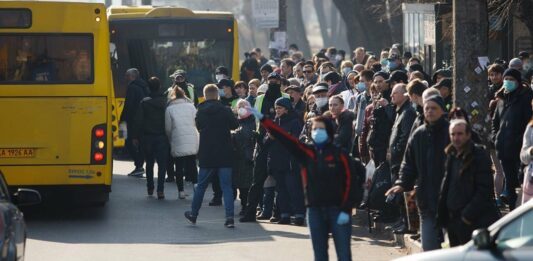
(382, 120)
(466, 200)
(136, 91)
(512, 113)
(150, 130)
(423, 166)
(215, 155)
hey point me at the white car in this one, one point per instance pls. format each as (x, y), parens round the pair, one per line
(510, 238)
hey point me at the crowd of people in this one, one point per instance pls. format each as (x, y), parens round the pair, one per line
(291, 134)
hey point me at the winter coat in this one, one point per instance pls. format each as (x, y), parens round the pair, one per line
(326, 174)
(244, 139)
(344, 130)
(150, 117)
(405, 116)
(137, 90)
(214, 122)
(509, 122)
(423, 164)
(380, 127)
(527, 159)
(474, 189)
(279, 158)
(181, 129)
(419, 120)
(362, 100)
(363, 144)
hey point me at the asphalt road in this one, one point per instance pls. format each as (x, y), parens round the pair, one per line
(133, 226)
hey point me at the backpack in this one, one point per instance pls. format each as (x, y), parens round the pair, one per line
(358, 177)
(381, 182)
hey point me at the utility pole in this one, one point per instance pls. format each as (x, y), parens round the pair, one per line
(282, 28)
(470, 51)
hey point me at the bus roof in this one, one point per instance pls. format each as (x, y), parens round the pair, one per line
(128, 12)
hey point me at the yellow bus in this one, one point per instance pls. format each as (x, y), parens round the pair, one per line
(160, 40)
(55, 99)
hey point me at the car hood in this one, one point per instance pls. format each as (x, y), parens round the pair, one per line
(456, 254)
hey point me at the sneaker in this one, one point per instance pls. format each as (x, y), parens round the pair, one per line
(229, 223)
(215, 202)
(190, 218)
(160, 195)
(182, 195)
(284, 221)
(138, 172)
(247, 219)
(261, 217)
(299, 221)
(274, 220)
(150, 191)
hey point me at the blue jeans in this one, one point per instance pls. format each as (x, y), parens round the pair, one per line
(321, 221)
(204, 176)
(429, 233)
(155, 149)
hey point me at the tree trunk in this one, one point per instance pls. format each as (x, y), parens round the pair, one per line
(322, 21)
(470, 41)
(523, 10)
(295, 27)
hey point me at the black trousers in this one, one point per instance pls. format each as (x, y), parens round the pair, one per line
(185, 166)
(459, 233)
(136, 153)
(255, 193)
(510, 170)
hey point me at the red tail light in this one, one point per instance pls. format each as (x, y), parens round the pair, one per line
(98, 156)
(99, 133)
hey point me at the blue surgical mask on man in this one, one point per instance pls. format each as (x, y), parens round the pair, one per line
(361, 86)
(320, 136)
(221, 92)
(509, 86)
(392, 65)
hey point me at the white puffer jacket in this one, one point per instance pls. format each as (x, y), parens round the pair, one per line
(180, 127)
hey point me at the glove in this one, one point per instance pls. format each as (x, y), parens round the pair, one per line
(258, 115)
(343, 218)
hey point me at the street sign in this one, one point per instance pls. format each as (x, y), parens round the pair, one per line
(265, 13)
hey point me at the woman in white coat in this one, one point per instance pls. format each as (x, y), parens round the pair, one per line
(526, 156)
(183, 137)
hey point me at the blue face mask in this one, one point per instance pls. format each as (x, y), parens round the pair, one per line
(392, 65)
(221, 92)
(509, 86)
(346, 70)
(361, 86)
(320, 136)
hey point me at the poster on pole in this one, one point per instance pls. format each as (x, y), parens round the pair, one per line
(265, 13)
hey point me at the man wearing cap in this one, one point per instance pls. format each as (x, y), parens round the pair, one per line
(394, 63)
(298, 106)
(264, 103)
(228, 96)
(180, 79)
(221, 72)
(513, 112)
(265, 71)
(445, 89)
(423, 167)
(283, 167)
(320, 91)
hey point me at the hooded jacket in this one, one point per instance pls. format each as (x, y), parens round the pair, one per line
(136, 91)
(423, 163)
(344, 130)
(181, 129)
(509, 122)
(215, 122)
(150, 118)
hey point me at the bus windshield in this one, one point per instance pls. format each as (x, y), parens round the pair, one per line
(168, 47)
(51, 59)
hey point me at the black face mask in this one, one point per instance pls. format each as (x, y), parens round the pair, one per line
(273, 91)
(181, 84)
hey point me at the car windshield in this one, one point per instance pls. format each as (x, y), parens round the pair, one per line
(518, 233)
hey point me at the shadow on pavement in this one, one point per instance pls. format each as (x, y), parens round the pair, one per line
(131, 217)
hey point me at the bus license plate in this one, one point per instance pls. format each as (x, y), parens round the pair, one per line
(17, 153)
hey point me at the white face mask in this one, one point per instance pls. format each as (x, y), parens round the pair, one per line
(338, 57)
(321, 102)
(243, 113)
(219, 77)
